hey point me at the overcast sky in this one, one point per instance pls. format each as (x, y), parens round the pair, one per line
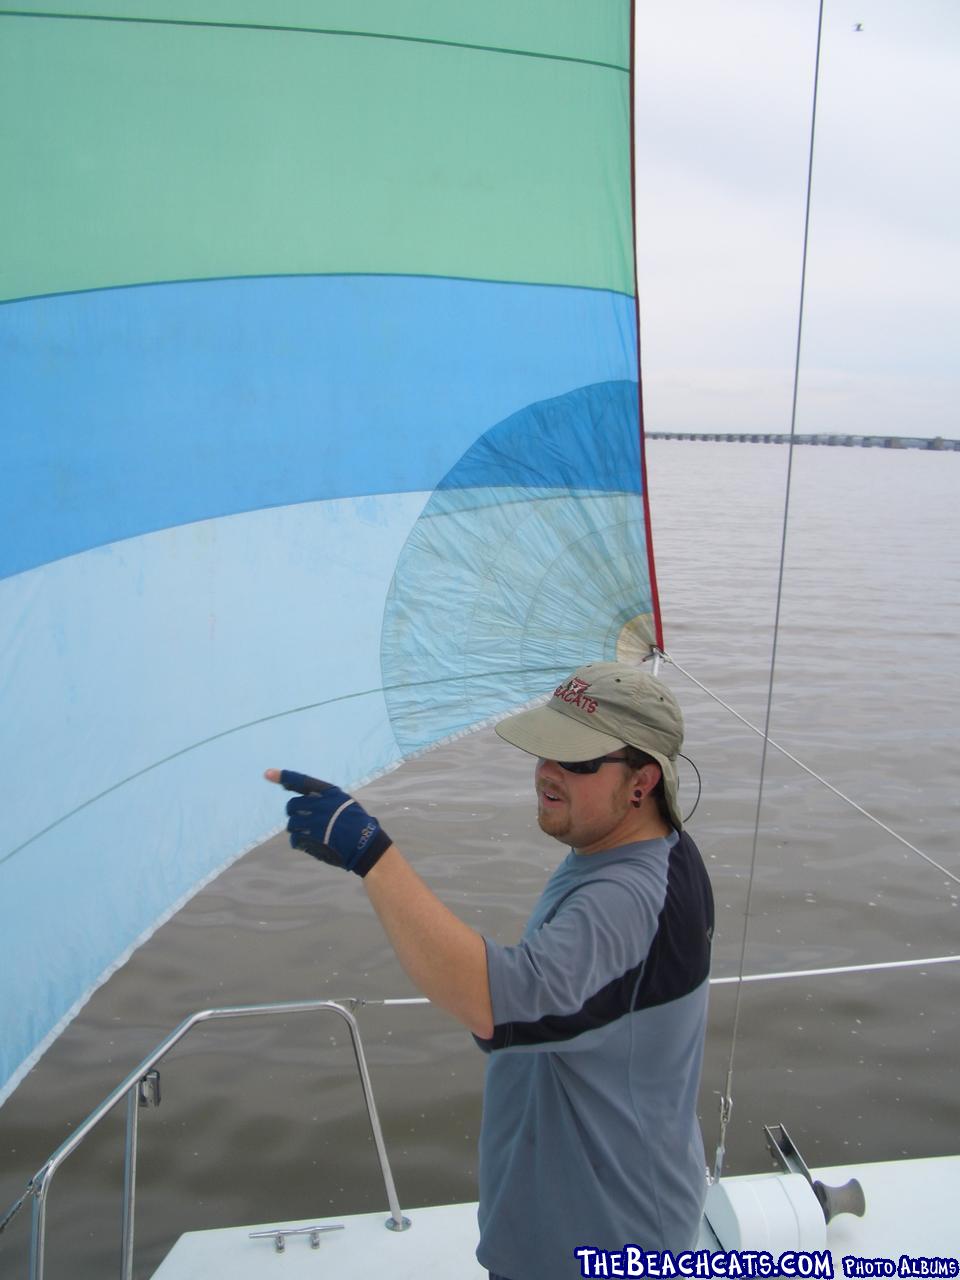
(723, 114)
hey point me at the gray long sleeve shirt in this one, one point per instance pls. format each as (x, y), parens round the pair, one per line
(590, 1133)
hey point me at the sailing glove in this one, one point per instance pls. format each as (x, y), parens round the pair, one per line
(331, 826)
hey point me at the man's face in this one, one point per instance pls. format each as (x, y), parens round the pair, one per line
(589, 811)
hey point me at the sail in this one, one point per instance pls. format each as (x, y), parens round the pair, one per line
(322, 437)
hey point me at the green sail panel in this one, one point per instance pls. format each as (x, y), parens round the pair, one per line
(174, 146)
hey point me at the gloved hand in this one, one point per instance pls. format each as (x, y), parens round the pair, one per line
(330, 825)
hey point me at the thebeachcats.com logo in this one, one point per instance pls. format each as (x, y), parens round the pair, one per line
(738, 1264)
(735, 1264)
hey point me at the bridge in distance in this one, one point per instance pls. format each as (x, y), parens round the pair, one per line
(769, 437)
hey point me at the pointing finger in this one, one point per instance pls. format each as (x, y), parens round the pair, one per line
(301, 782)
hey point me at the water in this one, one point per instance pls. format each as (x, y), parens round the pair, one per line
(261, 1120)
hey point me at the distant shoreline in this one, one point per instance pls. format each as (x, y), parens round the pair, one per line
(937, 443)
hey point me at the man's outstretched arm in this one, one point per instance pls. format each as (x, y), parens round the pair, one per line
(444, 957)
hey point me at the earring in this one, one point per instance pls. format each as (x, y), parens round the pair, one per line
(637, 798)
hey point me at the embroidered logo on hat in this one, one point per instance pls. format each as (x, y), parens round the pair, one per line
(573, 693)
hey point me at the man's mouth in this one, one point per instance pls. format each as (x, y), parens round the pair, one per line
(550, 797)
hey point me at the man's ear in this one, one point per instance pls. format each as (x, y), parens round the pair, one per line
(648, 775)
(645, 779)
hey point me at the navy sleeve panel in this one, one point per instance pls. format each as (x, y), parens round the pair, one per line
(620, 948)
(593, 936)
(679, 957)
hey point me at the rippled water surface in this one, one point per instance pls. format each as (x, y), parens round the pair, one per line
(261, 1120)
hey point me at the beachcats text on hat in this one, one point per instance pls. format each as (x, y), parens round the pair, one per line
(573, 692)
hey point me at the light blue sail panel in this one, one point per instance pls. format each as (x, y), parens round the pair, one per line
(158, 690)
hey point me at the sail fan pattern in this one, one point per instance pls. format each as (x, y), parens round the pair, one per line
(321, 434)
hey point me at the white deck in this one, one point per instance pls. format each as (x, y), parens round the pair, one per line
(441, 1242)
(913, 1208)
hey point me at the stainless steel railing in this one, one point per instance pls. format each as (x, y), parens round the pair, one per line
(137, 1089)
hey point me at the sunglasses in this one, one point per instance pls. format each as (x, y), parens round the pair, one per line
(590, 766)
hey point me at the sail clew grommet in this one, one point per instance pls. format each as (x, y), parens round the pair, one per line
(636, 638)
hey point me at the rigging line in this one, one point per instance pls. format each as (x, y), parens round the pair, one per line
(835, 970)
(276, 715)
(310, 31)
(813, 774)
(726, 1098)
(750, 977)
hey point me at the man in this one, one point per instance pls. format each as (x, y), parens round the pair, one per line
(595, 1020)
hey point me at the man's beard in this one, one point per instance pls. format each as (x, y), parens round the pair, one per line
(554, 824)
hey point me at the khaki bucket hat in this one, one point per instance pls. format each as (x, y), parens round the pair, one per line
(603, 706)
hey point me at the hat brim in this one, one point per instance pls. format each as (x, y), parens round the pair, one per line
(552, 735)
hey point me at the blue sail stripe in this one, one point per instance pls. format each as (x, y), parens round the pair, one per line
(169, 404)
